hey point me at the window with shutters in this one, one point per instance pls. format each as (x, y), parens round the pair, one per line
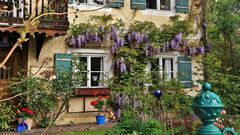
(173, 67)
(168, 7)
(91, 69)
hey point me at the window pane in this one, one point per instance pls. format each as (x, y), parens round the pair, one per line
(80, 79)
(83, 64)
(165, 4)
(98, 2)
(96, 64)
(97, 79)
(167, 68)
(151, 4)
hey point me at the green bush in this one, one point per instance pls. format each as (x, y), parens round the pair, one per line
(7, 115)
(137, 127)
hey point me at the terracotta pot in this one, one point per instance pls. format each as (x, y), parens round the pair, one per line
(28, 121)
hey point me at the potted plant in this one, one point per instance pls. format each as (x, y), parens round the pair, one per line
(100, 105)
(25, 116)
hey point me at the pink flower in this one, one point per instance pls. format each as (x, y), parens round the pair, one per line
(223, 112)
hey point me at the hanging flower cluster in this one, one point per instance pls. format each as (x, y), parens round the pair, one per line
(120, 65)
(82, 39)
(117, 42)
(139, 38)
(194, 51)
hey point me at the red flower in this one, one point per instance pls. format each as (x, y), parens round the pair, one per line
(107, 97)
(100, 97)
(24, 109)
(94, 102)
(30, 112)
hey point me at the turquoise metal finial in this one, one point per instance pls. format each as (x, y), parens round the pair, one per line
(206, 86)
(208, 106)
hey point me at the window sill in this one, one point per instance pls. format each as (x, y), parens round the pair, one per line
(91, 91)
(85, 6)
(155, 12)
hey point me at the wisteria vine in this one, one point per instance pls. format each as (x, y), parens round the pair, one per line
(118, 40)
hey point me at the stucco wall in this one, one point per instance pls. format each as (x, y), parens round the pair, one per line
(125, 13)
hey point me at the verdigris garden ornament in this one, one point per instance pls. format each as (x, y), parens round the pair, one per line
(208, 106)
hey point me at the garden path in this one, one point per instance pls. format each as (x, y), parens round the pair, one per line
(61, 129)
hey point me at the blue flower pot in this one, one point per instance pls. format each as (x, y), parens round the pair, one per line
(100, 120)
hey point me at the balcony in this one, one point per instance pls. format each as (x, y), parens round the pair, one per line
(22, 9)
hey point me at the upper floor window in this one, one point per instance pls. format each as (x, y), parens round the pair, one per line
(159, 4)
(91, 2)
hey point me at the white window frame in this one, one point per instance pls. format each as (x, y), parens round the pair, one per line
(172, 5)
(160, 12)
(107, 61)
(89, 2)
(166, 56)
(89, 56)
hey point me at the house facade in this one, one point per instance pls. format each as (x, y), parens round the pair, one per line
(49, 44)
(99, 58)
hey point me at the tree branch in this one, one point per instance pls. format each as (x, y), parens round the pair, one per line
(16, 96)
(10, 53)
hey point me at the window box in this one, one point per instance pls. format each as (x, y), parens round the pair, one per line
(92, 91)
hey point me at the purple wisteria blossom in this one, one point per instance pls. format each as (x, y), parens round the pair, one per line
(122, 67)
(114, 48)
(73, 41)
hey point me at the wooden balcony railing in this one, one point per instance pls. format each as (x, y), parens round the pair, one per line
(6, 73)
(23, 9)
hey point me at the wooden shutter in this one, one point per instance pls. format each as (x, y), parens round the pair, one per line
(62, 63)
(185, 71)
(70, 1)
(182, 6)
(117, 4)
(138, 4)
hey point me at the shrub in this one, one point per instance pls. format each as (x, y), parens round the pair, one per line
(134, 126)
(7, 116)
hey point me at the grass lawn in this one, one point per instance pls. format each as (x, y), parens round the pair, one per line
(86, 132)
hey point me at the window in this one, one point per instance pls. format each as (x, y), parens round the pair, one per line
(171, 67)
(92, 70)
(91, 2)
(159, 4)
(166, 66)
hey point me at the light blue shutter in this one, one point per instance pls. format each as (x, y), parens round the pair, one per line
(185, 71)
(138, 4)
(117, 4)
(62, 63)
(182, 6)
(70, 1)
